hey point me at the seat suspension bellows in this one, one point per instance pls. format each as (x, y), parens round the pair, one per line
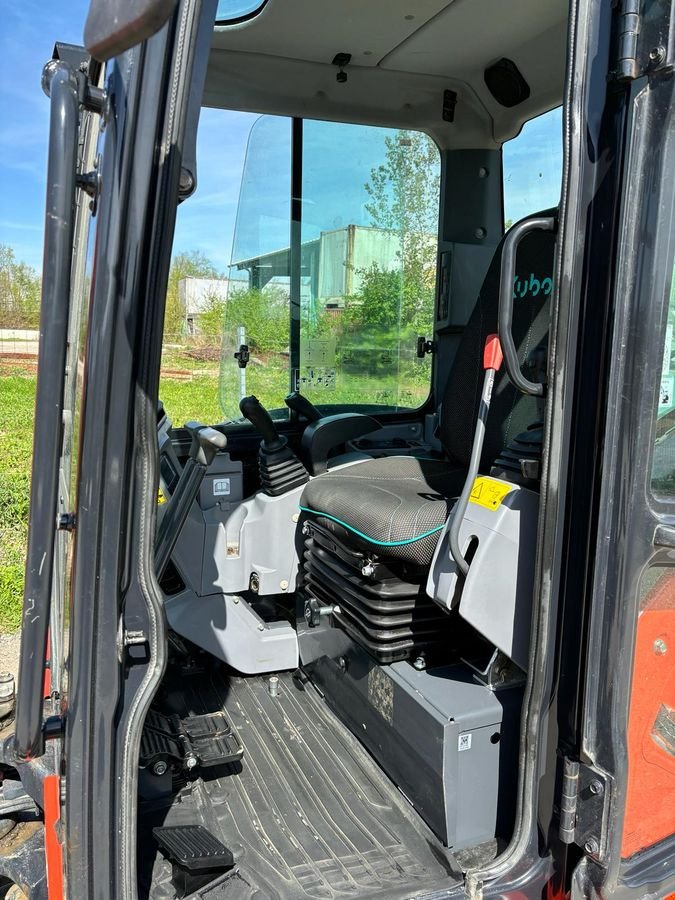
(384, 608)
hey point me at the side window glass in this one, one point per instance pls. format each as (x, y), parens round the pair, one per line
(532, 167)
(370, 203)
(222, 291)
(256, 312)
(663, 461)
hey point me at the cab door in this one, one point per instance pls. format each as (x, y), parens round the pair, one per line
(616, 707)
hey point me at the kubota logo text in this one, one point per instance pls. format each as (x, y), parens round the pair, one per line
(532, 286)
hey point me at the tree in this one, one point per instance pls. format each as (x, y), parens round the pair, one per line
(404, 194)
(264, 314)
(20, 289)
(378, 301)
(184, 265)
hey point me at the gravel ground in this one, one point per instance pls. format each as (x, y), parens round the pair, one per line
(9, 652)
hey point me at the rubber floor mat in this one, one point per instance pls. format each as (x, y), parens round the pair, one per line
(306, 813)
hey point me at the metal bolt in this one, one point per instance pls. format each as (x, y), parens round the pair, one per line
(591, 846)
(480, 233)
(159, 767)
(283, 585)
(273, 685)
(660, 647)
(483, 172)
(420, 664)
(235, 599)
(261, 627)
(134, 638)
(342, 662)
(306, 529)
(657, 54)
(368, 569)
(596, 787)
(190, 761)
(187, 181)
(295, 517)
(254, 582)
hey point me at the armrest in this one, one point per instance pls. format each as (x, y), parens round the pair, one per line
(319, 438)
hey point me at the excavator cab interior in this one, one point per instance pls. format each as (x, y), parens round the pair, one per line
(348, 567)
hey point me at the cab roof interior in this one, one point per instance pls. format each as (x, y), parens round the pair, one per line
(404, 55)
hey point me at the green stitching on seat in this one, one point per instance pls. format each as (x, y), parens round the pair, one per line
(315, 512)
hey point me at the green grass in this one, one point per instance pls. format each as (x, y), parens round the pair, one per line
(186, 400)
(17, 399)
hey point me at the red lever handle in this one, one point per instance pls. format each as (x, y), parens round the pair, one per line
(492, 355)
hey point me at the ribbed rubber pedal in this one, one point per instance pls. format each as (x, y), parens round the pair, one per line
(207, 740)
(213, 739)
(197, 857)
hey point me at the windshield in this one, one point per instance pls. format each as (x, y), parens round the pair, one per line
(329, 291)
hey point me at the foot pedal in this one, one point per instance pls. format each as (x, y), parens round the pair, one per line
(213, 739)
(197, 857)
(207, 740)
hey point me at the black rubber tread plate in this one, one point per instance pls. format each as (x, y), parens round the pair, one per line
(192, 847)
(307, 813)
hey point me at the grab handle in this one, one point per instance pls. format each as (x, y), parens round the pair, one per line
(508, 274)
(60, 83)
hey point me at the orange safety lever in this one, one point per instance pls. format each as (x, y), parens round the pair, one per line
(492, 355)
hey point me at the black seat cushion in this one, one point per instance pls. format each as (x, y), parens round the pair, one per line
(392, 507)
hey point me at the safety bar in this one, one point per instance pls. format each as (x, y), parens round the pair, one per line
(508, 273)
(60, 83)
(492, 360)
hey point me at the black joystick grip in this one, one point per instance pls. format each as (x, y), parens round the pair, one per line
(302, 406)
(252, 409)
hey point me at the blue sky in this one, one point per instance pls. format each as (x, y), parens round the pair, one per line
(27, 35)
(206, 221)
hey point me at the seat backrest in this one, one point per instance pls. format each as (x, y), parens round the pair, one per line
(510, 412)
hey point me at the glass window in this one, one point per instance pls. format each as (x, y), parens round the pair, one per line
(257, 309)
(663, 462)
(330, 303)
(532, 167)
(234, 10)
(370, 200)
(242, 160)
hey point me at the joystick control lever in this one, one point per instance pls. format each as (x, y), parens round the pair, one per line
(302, 406)
(280, 469)
(253, 410)
(206, 443)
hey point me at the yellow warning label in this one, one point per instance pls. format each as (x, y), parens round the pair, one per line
(489, 493)
(161, 498)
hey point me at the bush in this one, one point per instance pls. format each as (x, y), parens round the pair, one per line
(265, 316)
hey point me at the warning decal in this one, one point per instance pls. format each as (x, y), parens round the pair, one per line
(489, 493)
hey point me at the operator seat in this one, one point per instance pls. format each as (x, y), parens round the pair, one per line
(395, 508)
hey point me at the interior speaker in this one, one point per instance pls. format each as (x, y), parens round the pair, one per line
(505, 83)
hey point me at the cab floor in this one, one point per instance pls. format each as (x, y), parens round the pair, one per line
(306, 813)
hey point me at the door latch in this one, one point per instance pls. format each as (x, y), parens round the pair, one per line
(424, 346)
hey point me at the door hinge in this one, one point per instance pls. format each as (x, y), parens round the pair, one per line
(644, 44)
(583, 807)
(627, 40)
